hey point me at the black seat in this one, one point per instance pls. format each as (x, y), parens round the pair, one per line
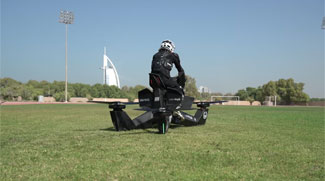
(159, 90)
(163, 95)
(156, 82)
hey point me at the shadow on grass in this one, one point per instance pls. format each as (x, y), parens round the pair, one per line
(126, 132)
(144, 131)
(108, 129)
(173, 126)
(85, 130)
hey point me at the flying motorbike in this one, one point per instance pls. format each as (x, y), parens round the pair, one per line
(163, 106)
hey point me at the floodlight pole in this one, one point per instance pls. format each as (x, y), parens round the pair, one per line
(66, 63)
(66, 17)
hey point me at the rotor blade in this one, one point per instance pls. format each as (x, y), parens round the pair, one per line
(142, 109)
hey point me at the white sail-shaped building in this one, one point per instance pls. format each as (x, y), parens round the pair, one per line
(110, 76)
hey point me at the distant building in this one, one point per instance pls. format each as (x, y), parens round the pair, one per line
(110, 76)
(203, 89)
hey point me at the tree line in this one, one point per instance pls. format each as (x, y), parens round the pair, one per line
(11, 89)
(286, 90)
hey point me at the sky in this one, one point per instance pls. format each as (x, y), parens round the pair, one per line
(225, 45)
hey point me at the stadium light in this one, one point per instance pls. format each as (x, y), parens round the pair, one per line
(323, 23)
(66, 17)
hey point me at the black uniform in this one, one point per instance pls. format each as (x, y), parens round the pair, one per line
(162, 64)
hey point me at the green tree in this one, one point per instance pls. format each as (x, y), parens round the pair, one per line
(190, 87)
(28, 92)
(251, 94)
(270, 89)
(290, 92)
(251, 91)
(243, 95)
(40, 88)
(114, 92)
(250, 99)
(286, 90)
(259, 94)
(60, 96)
(47, 87)
(34, 84)
(58, 86)
(94, 91)
(8, 82)
(131, 92)
(79, 90)
(10, 88)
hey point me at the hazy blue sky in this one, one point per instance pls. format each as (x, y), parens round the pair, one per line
(225, 45)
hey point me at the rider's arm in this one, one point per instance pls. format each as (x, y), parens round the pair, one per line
(177, 63)
(181, 75)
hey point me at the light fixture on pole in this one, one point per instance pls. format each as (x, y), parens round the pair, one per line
(66, 17)
(323, 23)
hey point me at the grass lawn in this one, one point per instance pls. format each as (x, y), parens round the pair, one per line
(78, 142)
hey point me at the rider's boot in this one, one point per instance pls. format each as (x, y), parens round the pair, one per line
(179, 115)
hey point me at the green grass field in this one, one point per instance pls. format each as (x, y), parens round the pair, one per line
(77, 142)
